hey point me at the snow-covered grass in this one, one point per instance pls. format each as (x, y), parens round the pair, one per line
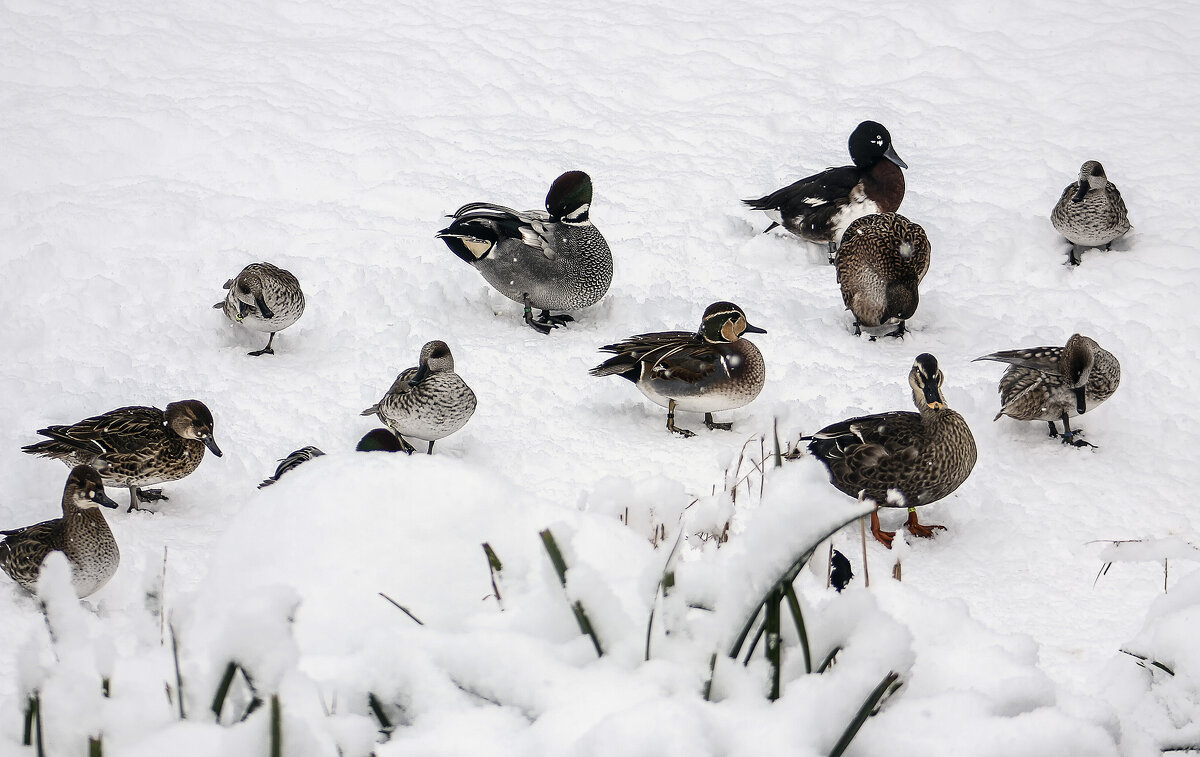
(152, 150)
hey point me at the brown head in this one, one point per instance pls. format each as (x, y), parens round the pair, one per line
(85, 489)
(725, 322)
(191, 419)
(1075, 367)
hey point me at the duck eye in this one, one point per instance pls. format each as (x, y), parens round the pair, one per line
(91, 494)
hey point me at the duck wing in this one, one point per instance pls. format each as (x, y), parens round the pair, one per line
(120, 431)
(652, 350)
(483, 222)
(1044, 359)
(803, 197)
(23, 549)
(869, 453)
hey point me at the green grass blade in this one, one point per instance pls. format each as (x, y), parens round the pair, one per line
(223, 690)
(863, 713)
(794, 604)
(560, 567)
(774, 643)
(276, 727)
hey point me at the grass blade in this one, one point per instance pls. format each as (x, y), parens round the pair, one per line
(95, 746)
(178, 674)
(31, 714)
(665, 582)
(385, 723)
(794, 605)
(223, 690)
(774, 643)
(863, 713)
(560, 567)
(276, 727)
(494, 569)
(402, 608)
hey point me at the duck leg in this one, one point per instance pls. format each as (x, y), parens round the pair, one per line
(899, 332)
(1070, 437)
(916, 529)
(883, 537)
(671, 422)
(858, 327)
(1053, 430)
(833, 248)
(541, 327)
(405, 447)
(1073, 255)
(712, 425)
(554, 321)
(430, 450)
(265, 350)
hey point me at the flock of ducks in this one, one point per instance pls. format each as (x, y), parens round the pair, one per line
(556, 260)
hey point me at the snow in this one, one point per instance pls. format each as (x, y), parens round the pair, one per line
(151, 149)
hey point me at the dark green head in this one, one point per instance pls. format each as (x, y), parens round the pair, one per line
(192, 419)
(570, 197)
(379, 440)
(725, 322)
(85, 488)
(902, 300)
(870, 143)
(926, 379)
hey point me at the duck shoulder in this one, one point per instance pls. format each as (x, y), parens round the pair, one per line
(1043, 359)
(679, 353)
(805, 196)
(532, 228)
(23, 549)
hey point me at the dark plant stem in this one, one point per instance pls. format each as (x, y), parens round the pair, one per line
(178, 674)
(223, 689)
(864, 712)
(276, 727)
(560, 567)
(801, 630)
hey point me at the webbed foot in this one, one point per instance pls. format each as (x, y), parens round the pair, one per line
(917, 529)
(713, 425)
(1072, 438)
(554, 321)
(883, 537)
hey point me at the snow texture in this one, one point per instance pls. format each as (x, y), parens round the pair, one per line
(152, 148)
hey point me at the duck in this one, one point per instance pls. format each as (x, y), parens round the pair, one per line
(263, 297)
(924, 456)
(706, 371)
(552, 260)
(880, 265)
(378, 440)
(135, 446)
(81, 534)
(1090, 212)
(1054, 383)
(293, 459)
(819, 208)
(428, 401)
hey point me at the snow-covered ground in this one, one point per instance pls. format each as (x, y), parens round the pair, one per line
(152, 149)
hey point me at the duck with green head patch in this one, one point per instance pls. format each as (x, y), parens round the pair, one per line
(705, 371)
(552, 260)
(1054, 383)
(135, 446)
(924, 456)
(81, 534)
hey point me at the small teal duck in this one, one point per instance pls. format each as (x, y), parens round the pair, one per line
(882, 260)
(1053, 383)
(1090, 212)
(820, 208)
(81, 534)
(427, 402)
(705, 371)
(263, 297)
(924, 456)
(379, 440)
(376, 440)
(552, 260)
(135, 446)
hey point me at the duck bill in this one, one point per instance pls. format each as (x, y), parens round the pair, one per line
(1081, 400)
(1081, 192)
(891, 155)
(243, 309)
(419, 376)
(933, 397)
(263, 310)
(104, 499)
(211, 443)
(754, 329)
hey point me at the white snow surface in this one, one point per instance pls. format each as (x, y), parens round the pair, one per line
(152, 150)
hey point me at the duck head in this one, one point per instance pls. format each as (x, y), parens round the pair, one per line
(85, 489)
(902, 298)
(870, 142)
(379, 440)
(1091, 176)
(1075, 366)
(191, 419)
(247, 289)
(570, 198)
(725, 322)
(435, 358)
(926, 379)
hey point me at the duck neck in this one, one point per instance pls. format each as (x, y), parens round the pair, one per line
(884, 184)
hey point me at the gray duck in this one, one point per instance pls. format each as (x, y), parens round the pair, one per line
(880, 265)
(135, 446)
(552, 260)
(263, 297)
(1090, 212)
(81, 534)
(704, 371)
(1054, 383)
(924, 455)
(427, 402)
